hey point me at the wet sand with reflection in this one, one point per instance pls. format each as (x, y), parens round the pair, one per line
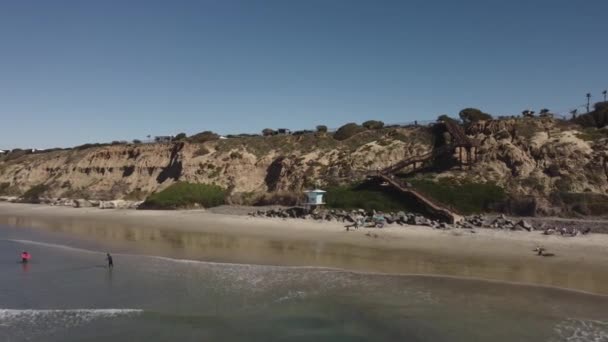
(579, 264)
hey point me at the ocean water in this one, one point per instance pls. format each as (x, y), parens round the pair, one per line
(68, 294)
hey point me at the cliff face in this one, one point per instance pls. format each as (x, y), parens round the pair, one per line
(543, 158)
(242, 165)
(538, 157)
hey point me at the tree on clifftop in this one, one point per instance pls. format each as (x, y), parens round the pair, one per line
(348, 131)
(204, 136)
(181, 136)
(268, 132)
(469, 115)
(322, 129)
(443, 117)
(373, 124)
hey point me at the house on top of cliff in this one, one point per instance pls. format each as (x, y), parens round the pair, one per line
(163, 138)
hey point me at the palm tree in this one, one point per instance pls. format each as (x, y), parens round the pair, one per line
(588, 101)
(604, 93)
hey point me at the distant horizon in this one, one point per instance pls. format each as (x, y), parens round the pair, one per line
(94, 72)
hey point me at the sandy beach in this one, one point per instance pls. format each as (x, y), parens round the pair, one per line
(578, 264)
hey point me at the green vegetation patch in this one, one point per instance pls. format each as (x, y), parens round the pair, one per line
(348, 130)
(584, 203)
(360, 197)
(592, 134)
(186, 195)
(34, 194)
(527, 128)
(465, 196)
(4, 187)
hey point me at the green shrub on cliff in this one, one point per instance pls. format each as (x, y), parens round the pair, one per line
(469, 115)
(465, 196)
(4, 187)
(203, 137)
(357, 197)
(597, 118)
(581, 203)
(348, 131)
(34, 193)
(186, 195)
(373, 124)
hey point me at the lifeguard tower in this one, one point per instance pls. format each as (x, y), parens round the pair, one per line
(314, 198)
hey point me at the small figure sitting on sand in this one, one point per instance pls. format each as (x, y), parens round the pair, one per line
(25, 257)
(541, 251)
(374, 235)
(356, 224)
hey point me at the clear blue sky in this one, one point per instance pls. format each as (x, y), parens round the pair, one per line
(94, 71)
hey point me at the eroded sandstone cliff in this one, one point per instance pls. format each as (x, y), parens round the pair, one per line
(528, 157)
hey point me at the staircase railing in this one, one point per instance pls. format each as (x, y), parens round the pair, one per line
(416, 159)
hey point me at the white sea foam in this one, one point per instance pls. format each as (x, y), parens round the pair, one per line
(575, 330)
(29, 323)
(292, 295)
(8, 316)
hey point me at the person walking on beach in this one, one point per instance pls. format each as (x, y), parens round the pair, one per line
(110, 261)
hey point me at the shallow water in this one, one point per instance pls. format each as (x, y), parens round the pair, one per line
(129, 237)
(67, 294)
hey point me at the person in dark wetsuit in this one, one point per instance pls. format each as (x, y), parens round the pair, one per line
(110, 261)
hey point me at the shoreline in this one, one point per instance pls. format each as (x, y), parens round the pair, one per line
(578, 264)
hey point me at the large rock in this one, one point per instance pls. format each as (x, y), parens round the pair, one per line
(524, 225)
(119, 204)
(82, 203)
(11, 199)
(63, 202)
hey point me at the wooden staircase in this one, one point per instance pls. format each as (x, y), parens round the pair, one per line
(419, 159)
(434, 209)
(438, 211)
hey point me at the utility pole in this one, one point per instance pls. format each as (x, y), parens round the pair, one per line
(588, 101)
(604, 93)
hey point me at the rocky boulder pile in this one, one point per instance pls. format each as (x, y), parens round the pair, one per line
(85, 203)
(11, 199)
(500, 222)
(119, 204)
(377, 219)
(363, 218)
